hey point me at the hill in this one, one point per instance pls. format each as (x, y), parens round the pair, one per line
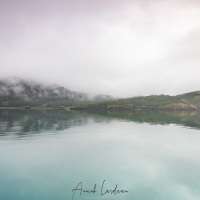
(17, 92)
(188, 101)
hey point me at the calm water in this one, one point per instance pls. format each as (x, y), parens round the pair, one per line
(44, 155)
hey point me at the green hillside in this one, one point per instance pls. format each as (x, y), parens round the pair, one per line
(188, 101)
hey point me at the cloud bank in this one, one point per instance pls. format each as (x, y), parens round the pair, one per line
(121, 48)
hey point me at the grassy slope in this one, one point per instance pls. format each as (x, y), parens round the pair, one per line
(188, 101)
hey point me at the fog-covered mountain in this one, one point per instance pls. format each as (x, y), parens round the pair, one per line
(18, 92)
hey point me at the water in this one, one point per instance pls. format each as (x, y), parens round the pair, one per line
(45, 154)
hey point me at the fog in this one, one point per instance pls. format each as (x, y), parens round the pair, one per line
(117, 47)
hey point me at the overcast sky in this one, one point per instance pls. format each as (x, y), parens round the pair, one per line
(117, 47)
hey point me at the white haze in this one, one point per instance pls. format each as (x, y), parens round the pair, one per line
(120, 48)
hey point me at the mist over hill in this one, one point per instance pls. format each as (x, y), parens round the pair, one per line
(15, 92)
(187, 101)
(19, 92)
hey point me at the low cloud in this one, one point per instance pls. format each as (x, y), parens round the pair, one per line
(122, 48)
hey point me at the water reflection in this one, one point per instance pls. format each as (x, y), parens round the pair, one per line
(151, 162)
(21, 122)
(185, 118)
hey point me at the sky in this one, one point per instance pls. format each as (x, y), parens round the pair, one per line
(122, 48)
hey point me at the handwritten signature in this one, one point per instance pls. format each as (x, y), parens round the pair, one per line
(114, 191)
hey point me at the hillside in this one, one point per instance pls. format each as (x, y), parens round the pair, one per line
(188, 101)
(17, 92)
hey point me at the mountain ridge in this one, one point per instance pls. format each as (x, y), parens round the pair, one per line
(187, 101)
(19, 92)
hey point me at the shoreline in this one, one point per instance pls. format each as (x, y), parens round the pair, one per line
(95, 109)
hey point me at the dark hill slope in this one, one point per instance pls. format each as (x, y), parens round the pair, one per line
(17, 92)
(188, 101)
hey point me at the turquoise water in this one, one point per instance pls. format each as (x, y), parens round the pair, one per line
(45, 154)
